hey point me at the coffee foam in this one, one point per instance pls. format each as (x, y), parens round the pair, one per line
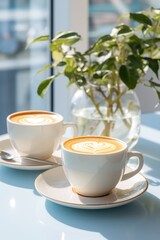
(93, 145)
(34, 118)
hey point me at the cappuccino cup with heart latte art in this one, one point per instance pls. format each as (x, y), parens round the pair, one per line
(34, 118)
(93, 145)
(94, 165)
(37, 133)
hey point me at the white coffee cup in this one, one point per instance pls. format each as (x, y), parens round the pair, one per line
(94, 165)
(37, 133)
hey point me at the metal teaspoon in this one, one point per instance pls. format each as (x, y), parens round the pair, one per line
(9, 157)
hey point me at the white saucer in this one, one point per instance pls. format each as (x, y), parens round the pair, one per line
(53, 185)
(5, 145)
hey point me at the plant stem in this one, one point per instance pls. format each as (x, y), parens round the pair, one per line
(91, 96)
(110, 106)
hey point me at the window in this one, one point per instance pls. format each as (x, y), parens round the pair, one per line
(20, 21)
(104, 14)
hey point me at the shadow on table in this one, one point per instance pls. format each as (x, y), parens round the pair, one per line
(18, 178)
(130, 221)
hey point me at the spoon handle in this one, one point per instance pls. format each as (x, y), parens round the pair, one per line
(37, 160)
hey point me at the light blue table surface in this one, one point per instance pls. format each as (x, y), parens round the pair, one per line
(24, 214)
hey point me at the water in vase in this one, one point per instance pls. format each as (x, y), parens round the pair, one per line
(125, 127)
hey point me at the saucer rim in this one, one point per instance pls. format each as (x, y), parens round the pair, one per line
(18, 165)
(22, 166)
(92, 205)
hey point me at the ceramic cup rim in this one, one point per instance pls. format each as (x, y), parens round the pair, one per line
(60, 118)
(99, 154)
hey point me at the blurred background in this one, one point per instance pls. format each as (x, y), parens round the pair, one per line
(23, 20)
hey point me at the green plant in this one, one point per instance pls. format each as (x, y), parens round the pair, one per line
(125, 55)
(120, 58)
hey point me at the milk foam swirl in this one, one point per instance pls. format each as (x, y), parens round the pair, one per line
(93, 147)
(36, 120)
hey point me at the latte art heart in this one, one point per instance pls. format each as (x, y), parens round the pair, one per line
(35, 120)
(93, 147)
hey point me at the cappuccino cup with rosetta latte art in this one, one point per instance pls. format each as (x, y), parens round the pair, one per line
(94, 165)
(37, 133)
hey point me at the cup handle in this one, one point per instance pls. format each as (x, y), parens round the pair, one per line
(139, 166)
(71, 125)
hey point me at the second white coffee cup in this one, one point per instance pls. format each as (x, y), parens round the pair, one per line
(37, 133)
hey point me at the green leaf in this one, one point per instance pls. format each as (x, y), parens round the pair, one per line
(108, 64)
(57, 56)
(47, 66)
(67, 35)
(141, 18)
(104, 39)
(124, 29)
(70, 61)
(68, 71)
(135, 39)
(136, 44)
(135, 61)
(80, 58)
(129, 76)
(40, 39)
(154, 65)
(44, 85)
(61, 64)
(70, 67)
(54, 47)
(72, 80)
(100, 45)
(67, 38)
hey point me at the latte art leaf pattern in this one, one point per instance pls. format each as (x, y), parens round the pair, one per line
(93, 147)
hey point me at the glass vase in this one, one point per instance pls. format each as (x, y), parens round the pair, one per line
(109, 111)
